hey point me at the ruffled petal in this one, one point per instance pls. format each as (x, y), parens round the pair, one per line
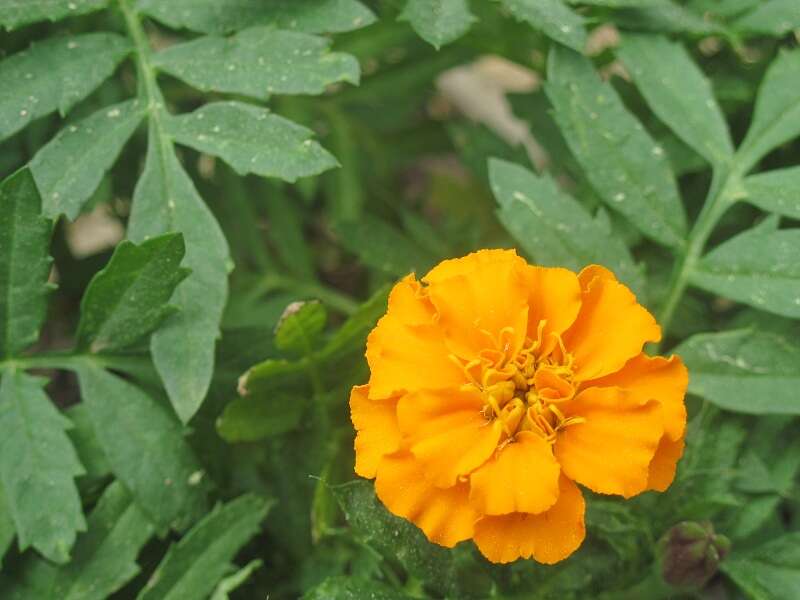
(444, 515)
(376, 424)
(654, 378)
(408, 301)
(610, 452)
(466, 265)
(482, 308)
(448, 433)
(548, 537)
(521, 477)
(405, 357)
(554, 296)
(664, 464)
(611, 327)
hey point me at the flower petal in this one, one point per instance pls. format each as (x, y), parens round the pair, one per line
(654, 378)
(554, 296)
(376, 424)
(611, 327)
(409, 302)
(466, 265)
(521, 477)
(664, 464)
(611, 451)
(447, 432)
(406, 357)
(475, 309)
(444, 515)
(547, 537)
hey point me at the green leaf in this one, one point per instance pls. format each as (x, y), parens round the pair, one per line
(758, 267)
(128, 298)
(252, 140)
(145, 447)
(253, 419)
(667, 17)
(259, 61)
(84, 439)
(352, 335)
(623, 163)
(230, 583)
(38, 465)
(619, 3)
(300, 326)
(54, 75)
(105, 557)
(347, 587)
(768, 572)
(393, 536)
(771, 17)
(69, 167)
(679, 93)
(24, 263)
(383, 247)
(226, 16)
(7, 530)
(438, 22)
(551, 17)
(776, 118)
(554, 228)
(14, 13)
(194, 565)
(775, 191)
(165, 200)
(744, 370)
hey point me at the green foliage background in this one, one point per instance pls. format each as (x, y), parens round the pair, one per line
(264, 152)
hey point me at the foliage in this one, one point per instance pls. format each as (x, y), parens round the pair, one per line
(170, 429)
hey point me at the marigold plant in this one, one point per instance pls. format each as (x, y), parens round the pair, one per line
(496, 386)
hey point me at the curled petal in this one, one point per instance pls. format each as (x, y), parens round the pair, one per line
(448, 433)
(611, 327)
(466, 265)
(554, 296)
(521, 477)
(444, 515)
(654, 378)
(610, 451)
(376, 424)
(409, 303)
(548, 537)
(664, 464)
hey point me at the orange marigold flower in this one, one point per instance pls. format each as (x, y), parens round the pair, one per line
(496, 386)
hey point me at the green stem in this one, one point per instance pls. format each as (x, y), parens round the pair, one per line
(721, 195)
(133, 365)
(333, 298)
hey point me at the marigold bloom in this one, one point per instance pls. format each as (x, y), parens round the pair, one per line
(496, 386)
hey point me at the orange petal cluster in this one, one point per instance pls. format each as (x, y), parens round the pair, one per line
(496, 386)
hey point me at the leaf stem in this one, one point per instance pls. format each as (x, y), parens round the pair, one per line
(139, 366)
(722, 193)
(332, 297)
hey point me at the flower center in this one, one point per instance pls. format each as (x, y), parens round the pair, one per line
(523, 389)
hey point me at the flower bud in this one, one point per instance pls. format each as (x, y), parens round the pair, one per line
(690, 554)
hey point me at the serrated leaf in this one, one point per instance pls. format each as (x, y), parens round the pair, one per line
(38, 466)
(14, 13)
(775, 191)
(300, 326)
(620, 159)
(128, 298)
(7, 530)
(252, 140)
(226, 16)
(145, 448)
(24, 263)
(194, 565)
(259, 61)
(84, 440)
(253, 419)
(438, 22)
(679, 93)
(776, 118)
(758, 267)
(231, 582)
(393, 536)
(54, 75)
(771, 17)
(165, 200)
(554, 228)
(69, 167)
(347, 587)
(551, 17)
(744, 370)
(770, 571)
